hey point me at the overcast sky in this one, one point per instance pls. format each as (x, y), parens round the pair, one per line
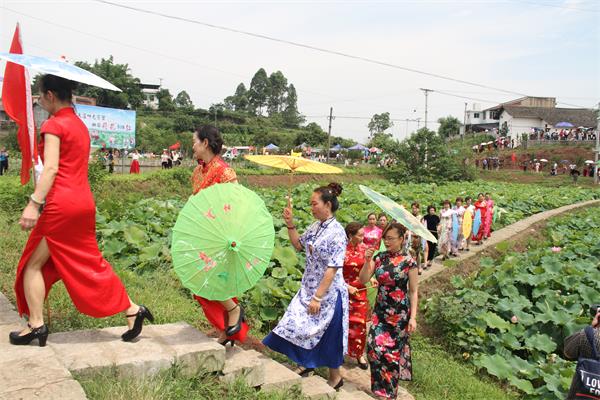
(537, 47)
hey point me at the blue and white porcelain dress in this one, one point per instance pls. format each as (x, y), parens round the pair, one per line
(319, 340)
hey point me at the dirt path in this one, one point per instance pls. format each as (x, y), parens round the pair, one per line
(284, 180)
(437, 278)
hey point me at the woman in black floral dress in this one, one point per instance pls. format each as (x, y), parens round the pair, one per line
(394, 316)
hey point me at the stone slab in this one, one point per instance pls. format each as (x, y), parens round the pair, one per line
(192, 348)
(354, 395)
(67, 389)
(316, 388)
(244, 364)
(8, 314)
(31, 372)
(277, 376)
(89, 350)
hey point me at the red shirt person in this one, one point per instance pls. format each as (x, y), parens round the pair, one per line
(62, 244)
(226, 316)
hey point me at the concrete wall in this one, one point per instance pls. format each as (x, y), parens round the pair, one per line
(518, 126)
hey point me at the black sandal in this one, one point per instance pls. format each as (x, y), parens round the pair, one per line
(142, 314)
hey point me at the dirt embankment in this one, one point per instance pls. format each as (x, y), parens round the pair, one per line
(285, 180)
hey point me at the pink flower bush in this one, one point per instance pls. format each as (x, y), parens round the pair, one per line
(556, 249)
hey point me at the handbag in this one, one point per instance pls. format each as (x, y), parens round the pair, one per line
(587, 384)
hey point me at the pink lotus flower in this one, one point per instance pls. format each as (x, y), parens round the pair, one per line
(514, 319)
(556, 249)
(385, 340)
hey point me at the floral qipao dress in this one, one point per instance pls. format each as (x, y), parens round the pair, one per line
(359, 304)
(388, 345)
(319, 340)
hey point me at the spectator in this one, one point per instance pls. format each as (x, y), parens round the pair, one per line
(578, 346)
(3, 161)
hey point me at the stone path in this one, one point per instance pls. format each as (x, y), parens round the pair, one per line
(31, 372)
(502, 235)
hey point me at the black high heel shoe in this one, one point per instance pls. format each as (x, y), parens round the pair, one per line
(40, 333)
(226, 341)
(362, 365)
(306, 372)
(233, 329)
(142, 314)
(339, 385)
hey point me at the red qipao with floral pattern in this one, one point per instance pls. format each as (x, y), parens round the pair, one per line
(359, 304)
(68, 223)
(205, 175)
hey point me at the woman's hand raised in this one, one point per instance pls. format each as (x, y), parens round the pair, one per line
(288, 214)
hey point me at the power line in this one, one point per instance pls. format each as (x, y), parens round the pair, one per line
(305, 46)
(156, 53)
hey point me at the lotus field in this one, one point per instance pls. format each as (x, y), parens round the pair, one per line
(544, 291)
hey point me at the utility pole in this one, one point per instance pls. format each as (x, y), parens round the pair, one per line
(329, 132)
(426, 91)
(596, 166)
(464, 123)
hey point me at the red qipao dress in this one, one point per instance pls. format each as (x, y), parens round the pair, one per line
(205, 175)
(68, 223)
(359, 305)
(480, 206)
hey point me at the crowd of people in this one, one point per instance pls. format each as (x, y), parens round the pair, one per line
(565, 134)
(326, 319)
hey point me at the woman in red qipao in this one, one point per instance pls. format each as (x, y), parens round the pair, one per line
(212, 170)
(62, 245)
(359, 304)
(481, 206)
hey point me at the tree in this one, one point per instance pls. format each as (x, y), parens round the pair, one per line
(183, 100)
(311, 134)
(291, 117)
(239, 101)
(277, 90)
(165, 100)
(449, 126)
(117, 74)
(259, 92)
(383, 141)
(380, 123)
(425, 157)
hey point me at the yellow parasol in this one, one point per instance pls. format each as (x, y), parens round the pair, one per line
(294, 164)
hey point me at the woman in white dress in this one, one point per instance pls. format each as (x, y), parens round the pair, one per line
(314, 329)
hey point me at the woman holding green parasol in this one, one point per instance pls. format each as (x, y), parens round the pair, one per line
(226, 316)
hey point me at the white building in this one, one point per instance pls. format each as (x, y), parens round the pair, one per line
(150, 92)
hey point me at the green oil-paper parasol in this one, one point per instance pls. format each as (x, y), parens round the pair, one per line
(222, 241)
(399, 213)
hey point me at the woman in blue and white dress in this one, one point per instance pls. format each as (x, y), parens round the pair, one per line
(314, 330)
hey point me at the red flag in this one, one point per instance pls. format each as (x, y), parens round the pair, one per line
(16, 98)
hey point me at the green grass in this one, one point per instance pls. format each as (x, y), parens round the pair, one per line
(437, 375)
(173, 385)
